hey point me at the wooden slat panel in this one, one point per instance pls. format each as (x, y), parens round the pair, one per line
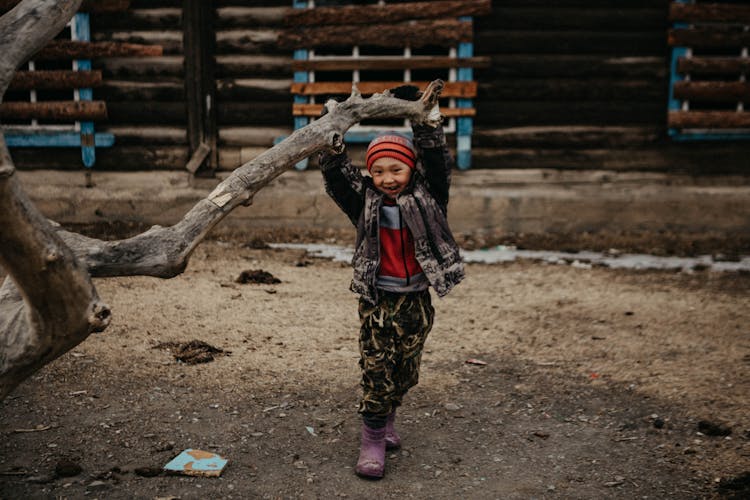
(315, 109)
(713, 65)
(444, 32)
(451, 89)
(69, 49)
(712, 91)
(391, 13)
(382, 63)
(54, 110)
(86, 5)
(708, 37)
(60, 79)
(709, 119)
(712, 12)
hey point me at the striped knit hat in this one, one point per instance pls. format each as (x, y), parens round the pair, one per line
(391, 145)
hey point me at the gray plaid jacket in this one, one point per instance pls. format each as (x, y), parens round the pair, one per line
(423, 207)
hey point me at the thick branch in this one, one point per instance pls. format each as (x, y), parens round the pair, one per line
(164, 252)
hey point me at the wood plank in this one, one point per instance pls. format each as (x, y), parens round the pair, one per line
(713, 65)
(250, 41)
(704, 158)
(592, 18)
(578, 42)
(451, 89)
(391, 13)
(169, 41)
(57, 79)
(253, 89)
(86, 5)
(724, 92)
(142, 135)
(54, 110)
(140, 19)
(243, 17)
(388, 62)
(315, 109)
(141, 68)
(572, 89)
(443, 32)
(708, 38)
(270, 114)
(147, 113)
(708, 119)
(128, 90)
(249, 66)
(573, 66)
(117, 158)
(566, 137)
(545, 113)
(69, 49)
(712, 12)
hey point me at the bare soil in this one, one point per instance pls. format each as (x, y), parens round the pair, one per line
(595, 385)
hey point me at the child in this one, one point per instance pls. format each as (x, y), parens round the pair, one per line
(403, 246)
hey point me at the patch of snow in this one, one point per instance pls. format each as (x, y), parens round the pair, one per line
(581, 260)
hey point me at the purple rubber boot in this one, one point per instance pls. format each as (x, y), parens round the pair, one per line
(392, 439)
(371, 463)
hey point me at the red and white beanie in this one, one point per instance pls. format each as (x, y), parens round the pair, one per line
(391, 145)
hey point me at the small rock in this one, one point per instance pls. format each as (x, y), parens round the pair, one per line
(97, 485)
(713, 429)
(147, 471)
(41, 479)
(451, 407)
(658, 423)
(67, 468)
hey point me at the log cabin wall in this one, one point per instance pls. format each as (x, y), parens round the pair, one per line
(572, 84)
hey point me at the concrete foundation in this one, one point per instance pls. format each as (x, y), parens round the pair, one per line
(498, 201)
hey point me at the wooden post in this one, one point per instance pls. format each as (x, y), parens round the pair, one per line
(199, 40)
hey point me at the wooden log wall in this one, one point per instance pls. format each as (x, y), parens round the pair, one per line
(571, 84)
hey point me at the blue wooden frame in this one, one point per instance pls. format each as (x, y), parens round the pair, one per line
(676, 104)
(464, 125)
(86, 138)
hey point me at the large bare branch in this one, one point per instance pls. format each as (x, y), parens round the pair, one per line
(164, 251)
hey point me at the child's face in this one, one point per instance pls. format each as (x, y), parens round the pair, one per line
(390, 176)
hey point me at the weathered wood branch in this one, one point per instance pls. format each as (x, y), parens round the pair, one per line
(164, 251)
(48, 304)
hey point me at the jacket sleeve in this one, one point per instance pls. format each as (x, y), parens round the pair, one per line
(436, 160)
(344, 183)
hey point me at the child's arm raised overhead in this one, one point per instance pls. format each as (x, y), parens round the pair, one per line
(344, 183)
(429, 138)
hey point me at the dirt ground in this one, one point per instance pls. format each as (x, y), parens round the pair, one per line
(597, 384)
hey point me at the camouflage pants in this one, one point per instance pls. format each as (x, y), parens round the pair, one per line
(391, 340)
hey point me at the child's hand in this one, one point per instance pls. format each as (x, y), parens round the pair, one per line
(406, 92)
